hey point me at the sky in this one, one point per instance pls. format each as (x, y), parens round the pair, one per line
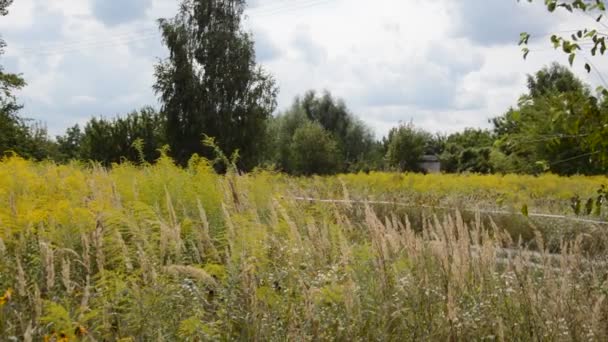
(442, 64)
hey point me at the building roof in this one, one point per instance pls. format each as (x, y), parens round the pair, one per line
(429, 158)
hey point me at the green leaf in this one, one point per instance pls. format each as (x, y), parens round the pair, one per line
(524, 210)
(524, 37)
(551, 6)
(589, 206)
(571, 58)
(580, 5)
(588, 67)
(591, 33)
(526, 52)
(575, 204)
(598, 206)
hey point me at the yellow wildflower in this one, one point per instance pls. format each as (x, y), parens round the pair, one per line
(6, 297)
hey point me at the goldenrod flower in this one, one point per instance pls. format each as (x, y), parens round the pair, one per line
(56, 338)
(81, 331)
(6, 297)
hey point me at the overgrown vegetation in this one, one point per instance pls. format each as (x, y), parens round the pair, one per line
(158, 252)
(129, 230)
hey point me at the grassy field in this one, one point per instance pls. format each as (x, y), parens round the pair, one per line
(160, 253)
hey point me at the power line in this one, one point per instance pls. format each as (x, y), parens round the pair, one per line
(126, 38)
(68, 44)
(582, 45)
(293, 7)
(575, 158)
(550, 137)
(99, 44)
(547, 34)
(594, 19)
(596, 70)
(286, 5)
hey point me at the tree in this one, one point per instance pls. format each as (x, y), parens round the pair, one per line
(578, 40)
(280, 135)
(69, 145)
(16, 134)
(406, 146)
(331, 114)
(8, 82)
(13, 131)
(468, 151)
(554, 79)
(355, 140)
(583, 40)
(302, 146)
(98, 142)
(111, 141)
(355, 150)
(210, 83)
(29, 140)
(435, 144)
(550, 129)
(4, 4)
(313, 151)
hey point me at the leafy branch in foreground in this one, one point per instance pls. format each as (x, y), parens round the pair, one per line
(584, 39)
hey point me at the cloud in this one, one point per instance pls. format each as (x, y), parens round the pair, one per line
(265, 48)
(254, 3)
(21, 15)
(422, 88)
(446, 121)
(77, 66)
(420, 84)
(303, 42)
(73, 87)
(496, 22)
(112, 12)
(43, 33)
(458, 56)
(428, 78)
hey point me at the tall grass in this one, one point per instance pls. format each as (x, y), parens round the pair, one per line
(544, 193)
(164, 253)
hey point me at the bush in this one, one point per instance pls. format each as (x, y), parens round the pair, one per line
(314, 151)
(406, 146)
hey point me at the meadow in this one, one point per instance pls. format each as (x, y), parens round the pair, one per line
(162, 253)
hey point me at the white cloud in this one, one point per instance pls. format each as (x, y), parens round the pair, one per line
(69, 8)
(22, 16)
(497, 22)
(82, 99)
(114, 13)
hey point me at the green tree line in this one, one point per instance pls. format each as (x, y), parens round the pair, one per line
(211, 85)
